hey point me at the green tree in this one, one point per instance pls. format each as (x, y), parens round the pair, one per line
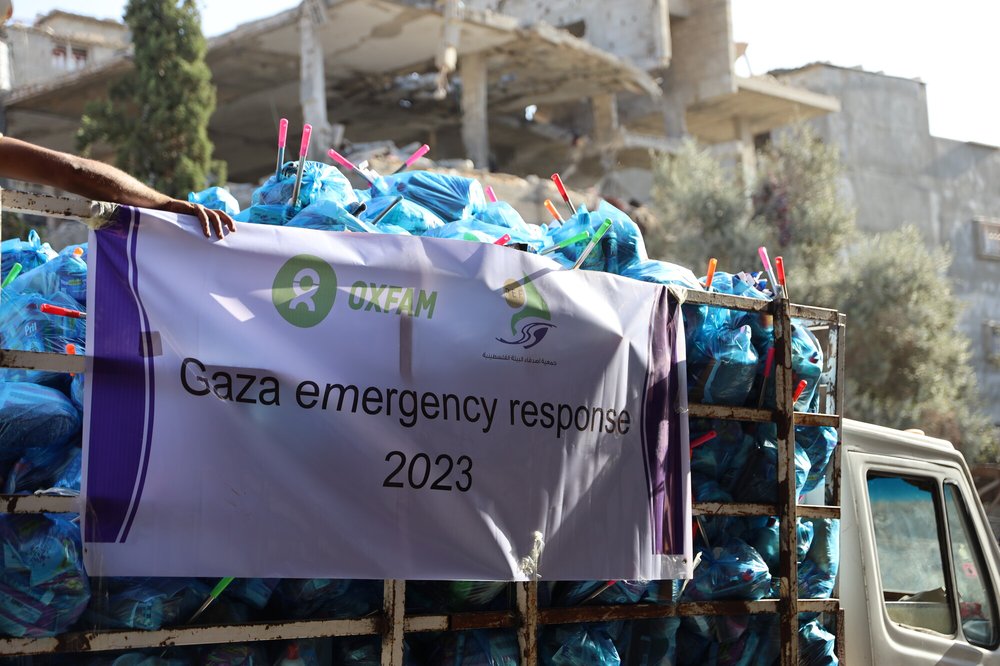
(702, 212)
(907, 366)
(156, 116)
(796, 200)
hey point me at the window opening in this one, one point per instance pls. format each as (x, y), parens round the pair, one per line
(976, 599)
(907, 521)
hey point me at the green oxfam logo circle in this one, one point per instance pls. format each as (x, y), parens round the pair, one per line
(304, 290)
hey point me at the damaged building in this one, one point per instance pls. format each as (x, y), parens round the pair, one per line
(518, 89)
(512, 86)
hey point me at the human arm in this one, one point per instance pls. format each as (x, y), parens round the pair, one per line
(96, 180)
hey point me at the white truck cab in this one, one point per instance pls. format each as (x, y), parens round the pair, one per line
(920, 567)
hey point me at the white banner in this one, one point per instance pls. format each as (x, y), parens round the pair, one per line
(299, 403)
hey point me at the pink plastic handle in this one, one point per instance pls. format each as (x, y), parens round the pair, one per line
(421, 151)
(341, 160)
(764, 259)
(503, 240)
(491, 196)
(282, 132)
(307, 131)
(762, 253)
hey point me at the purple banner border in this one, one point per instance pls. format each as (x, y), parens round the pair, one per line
(662, 428)
(121, 395)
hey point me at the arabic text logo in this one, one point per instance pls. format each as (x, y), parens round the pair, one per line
(304, 290)
(532, 321)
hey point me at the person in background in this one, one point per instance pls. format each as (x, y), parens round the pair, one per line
(21, 160)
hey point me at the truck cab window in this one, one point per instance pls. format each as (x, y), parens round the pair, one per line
(908, 525)
(976, 598)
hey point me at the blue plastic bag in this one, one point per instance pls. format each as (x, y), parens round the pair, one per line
(818, 571)
(696, 644)
(64, 274)
(33, 416)
(761, 325)
(573, 593)
(69, 475)
(398, 212)
(76, 392)
(30, 253)
(216, 198)
(143, 603)
(320, 182)
(449, 197)
(475, 594)
(473, 229)
(649, 642)
(620, 248)
(23, 326)
(817, 646)
(707, 489)
(735, 571)
(329, 216)
(819, 443)
(365, 651)
(478, 648)
(254, 592)
(275, 215)
(759, 483)
(43, 586)
(724, 456)
(722, 362)
(662, 272)
(807, 365)
(763, 534)
(502, 214)
(327, 597)
(41, 467)
(575, 644)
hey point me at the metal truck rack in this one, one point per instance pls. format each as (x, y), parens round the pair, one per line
(526, 617)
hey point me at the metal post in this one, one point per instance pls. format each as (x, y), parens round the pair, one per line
(394, 611)
(787, 496)
(841, 350)
(527, 631)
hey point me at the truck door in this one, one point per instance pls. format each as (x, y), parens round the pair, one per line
(929, 572)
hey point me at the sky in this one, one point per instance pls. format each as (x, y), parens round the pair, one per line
(952, 47)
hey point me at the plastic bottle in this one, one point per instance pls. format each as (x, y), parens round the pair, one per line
(291, 657)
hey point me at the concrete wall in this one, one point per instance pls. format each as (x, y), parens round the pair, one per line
(31, 47)
(637, 30)
(898, 174)
(702, 64)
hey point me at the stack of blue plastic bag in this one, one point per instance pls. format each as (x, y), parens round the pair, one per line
(143, 603)
(730, 362)
(30, 253)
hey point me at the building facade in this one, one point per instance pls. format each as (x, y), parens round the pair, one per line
(897, 174)
(57, 44)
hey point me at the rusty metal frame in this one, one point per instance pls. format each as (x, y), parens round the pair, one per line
(392, 624)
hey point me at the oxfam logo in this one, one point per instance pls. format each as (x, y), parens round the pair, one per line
(304, 290)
